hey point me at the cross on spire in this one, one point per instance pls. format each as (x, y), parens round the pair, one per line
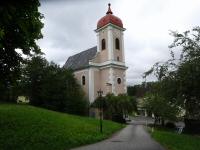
(109, 9)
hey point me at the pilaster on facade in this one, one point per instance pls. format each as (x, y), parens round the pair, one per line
(111, 79)
(122, 41)
(91, 84)
(110, 43)
(125, 87)
(98, 46)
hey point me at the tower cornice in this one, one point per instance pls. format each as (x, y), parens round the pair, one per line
(109, 24)
(109, 63)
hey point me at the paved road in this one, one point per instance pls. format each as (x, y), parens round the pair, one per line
(133, 137)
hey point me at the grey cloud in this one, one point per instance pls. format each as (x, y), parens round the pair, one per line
(69, 29)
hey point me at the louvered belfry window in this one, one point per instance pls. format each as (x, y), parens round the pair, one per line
(83, 80)
(117, 45)
(103, 44)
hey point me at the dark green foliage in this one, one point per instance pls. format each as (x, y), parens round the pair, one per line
(139, 90)
(188, 71)
(20, 27)
(47, 85)
(189, 79)
(25, 127)
(136, 90)
(179, 78)
(118, 117)
(134, 104)
(170, 125)
(160, 101)
(34, 73)
(192, 126)
(161, 108)
(131, 90)
(116, 107)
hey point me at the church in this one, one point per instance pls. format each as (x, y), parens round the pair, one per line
(103, 66)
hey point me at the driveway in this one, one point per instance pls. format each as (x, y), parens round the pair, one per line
(133, 137)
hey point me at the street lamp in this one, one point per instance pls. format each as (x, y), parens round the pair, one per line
(100, 92)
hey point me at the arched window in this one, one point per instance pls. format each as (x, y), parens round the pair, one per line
(103, 44)
(119, 81)
(117, 45)
(83, 80)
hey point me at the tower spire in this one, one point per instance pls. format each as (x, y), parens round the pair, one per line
(109, 9)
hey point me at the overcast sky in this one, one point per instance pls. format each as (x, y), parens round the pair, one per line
(69, 28)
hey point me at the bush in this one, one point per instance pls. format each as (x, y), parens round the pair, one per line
(118, 118)
(50, 86)
(192, 126)
(170, 125)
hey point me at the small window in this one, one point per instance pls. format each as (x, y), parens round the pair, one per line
(103, 44)
(117, 58)
(83, 80)
(119, 81)
(117, 43)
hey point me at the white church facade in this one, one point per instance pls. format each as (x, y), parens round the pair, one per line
(103, 66)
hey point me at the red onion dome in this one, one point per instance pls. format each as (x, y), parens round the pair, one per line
(109, 18)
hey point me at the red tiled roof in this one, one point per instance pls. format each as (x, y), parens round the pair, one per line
(109, 18)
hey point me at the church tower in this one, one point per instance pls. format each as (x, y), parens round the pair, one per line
(110, 40)
(103, 66)
(110, 48)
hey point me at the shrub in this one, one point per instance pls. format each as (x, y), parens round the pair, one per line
(114, 107)
(192, 126)
(170, 125)
(118, 118)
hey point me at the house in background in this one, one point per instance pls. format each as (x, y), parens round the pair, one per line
(103, 66)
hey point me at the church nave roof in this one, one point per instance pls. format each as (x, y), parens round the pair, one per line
(80, 60)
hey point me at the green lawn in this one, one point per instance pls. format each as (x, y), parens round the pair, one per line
(174, 141)
(31, 128)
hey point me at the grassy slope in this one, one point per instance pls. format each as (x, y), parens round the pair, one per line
(174, 141)
(31, 128)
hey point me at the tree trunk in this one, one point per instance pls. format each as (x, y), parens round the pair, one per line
(155, 121)
(163, 122)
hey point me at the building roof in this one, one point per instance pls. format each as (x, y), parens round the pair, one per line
(80, 60)
(109, 18)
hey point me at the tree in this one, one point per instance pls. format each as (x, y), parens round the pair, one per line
(132, 90)
(47, 85)
(188, 70)
(161, 99)
(180, 78)
(32, 80)
(139, 90)
(115, 107)
(20, 27)
(162, 105)
(188, 75)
